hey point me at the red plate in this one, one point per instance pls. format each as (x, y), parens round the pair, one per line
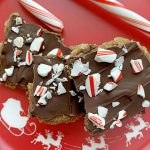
(84, 23)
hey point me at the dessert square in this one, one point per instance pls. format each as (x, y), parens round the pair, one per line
(114, 80)
(52, 99)
(22, 41)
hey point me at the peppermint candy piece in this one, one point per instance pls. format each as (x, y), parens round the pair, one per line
(137, 65)
(97, 120)
(73, 93)
(113, 125)
(122, 114)
(9, 40)
(18, 42)
(92, 84)
(116, 74)
(104, 55)
(110, 86)
(43, 70)
(56, 52)
(17, 52)
(118, 123)
(39, 32)
(40, 90)
(125, 49)
(141, 91)
(15, 29)
(4, 77)
(67, 57)
(42, 101)
(36, 44)
(102, 111)
(21, 64)
(64, 79)
(48, 95)
(80, 68)
(61, 89)
(82, 87)
(119, 62)
(146, 103)
(49, 81)
(29, 58)
(9, 71)
(19, 21)
(58, 69)
(115, 104)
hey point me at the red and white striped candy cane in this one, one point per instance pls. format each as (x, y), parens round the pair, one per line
(40, 90)
(92, 84)
(115, 7)
(44, 15)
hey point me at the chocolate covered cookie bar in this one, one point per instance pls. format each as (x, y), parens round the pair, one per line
(114, 81)
(52, 98)
(22, 41)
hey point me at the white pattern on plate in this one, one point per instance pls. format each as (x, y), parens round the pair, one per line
(94, 145)
(10, 117)
(49, 140)
(136, 129)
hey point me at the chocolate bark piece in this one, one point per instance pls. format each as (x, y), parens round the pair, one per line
(60, 106)
(19, 38)
(125, 94)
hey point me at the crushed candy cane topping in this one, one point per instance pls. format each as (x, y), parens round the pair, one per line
(40, 90)
(122, 114)
(115, 104)
(97, 120)
(39, 32)
(43, 70)
(92, 84)
(9, 71)
(56, 52)
(17, 53)
(80, 68)
(116, 74)
(18, 42)
(104, 55)
(125, 49)
(110, 86)
(15, 29)
(61, 89)
(82, 87)
(141, 91)
(58, 69)
(146, 103)
(119, 62)
(19, 21)
(73, 93)
(102, 111)
(29, 58)
(137, 65)
(36, 44)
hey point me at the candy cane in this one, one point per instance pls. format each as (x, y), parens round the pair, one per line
(104, 55)
(92, 84)
(44, 15)
(115, 7)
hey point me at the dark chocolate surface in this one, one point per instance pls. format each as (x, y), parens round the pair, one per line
(64, 104)
(125, 93)
(24, 74)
